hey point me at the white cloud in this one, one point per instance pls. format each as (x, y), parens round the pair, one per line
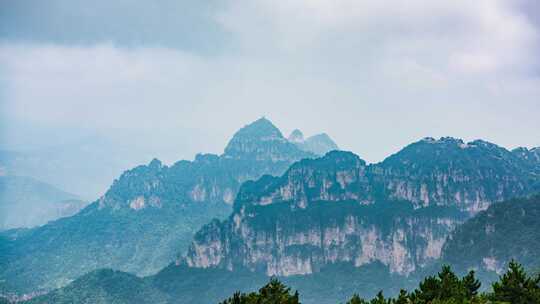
(374, 74)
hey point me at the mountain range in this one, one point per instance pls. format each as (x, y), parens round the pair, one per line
(148, 215)
(332, 284)
(339, 209)
(274, 207)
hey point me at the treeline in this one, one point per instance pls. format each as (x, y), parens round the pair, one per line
(513, 287)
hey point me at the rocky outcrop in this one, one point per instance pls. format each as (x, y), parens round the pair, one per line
(339, 209)
(449, 172)
(318, 144)
(256, 149)
(303, 242)
(262, 141)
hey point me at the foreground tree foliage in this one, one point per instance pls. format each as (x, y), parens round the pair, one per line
(516, 287)
(513, 287)
(274, 292)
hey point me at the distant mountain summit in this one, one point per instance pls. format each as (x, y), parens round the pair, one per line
(318, 144)
(296, 136)
(530, 156)
(262, 141)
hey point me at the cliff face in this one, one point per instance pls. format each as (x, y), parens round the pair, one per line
(338, 209)
(304, 241)
(505, 231)
(449, 172)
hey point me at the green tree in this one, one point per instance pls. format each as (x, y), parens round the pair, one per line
(446, 287)
(274, 292)
(471, 285)
(450, 285)
(403, 298)
(428, 290)
(379, 299)
(356, 300)
(516, 287)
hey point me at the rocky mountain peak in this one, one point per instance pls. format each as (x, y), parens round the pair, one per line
(337, 176)
(155, 164)
(296, 136)
(447, 149)
(318, 144)
(262, 141)
(262, 129)
(528, 155)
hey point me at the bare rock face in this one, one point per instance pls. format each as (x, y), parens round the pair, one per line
(304, 241)
(339, 209)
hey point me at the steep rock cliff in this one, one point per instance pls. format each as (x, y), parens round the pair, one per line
(339, 209)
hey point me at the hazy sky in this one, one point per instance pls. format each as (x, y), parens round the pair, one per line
(177, 77)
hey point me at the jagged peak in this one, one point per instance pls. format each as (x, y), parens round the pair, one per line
(331, 163)
(459, 142)
(155, 164)
(526, 154)
(337, 158)
(296, 136)
(318, 144)
(483, 143)
(261, 140)
(206, 157)
(323, 137)
(525, 150)
(261, 127)
(436, 149)
(261, 130)
(521, 149)
(442, 140)
(340, 155)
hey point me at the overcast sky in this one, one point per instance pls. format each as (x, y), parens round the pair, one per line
(178, 77)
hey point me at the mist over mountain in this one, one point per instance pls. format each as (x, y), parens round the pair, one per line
(139, 163)
(319, 144)
(148, 216)
(83, 167)
(26, 202)
(267, 207)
